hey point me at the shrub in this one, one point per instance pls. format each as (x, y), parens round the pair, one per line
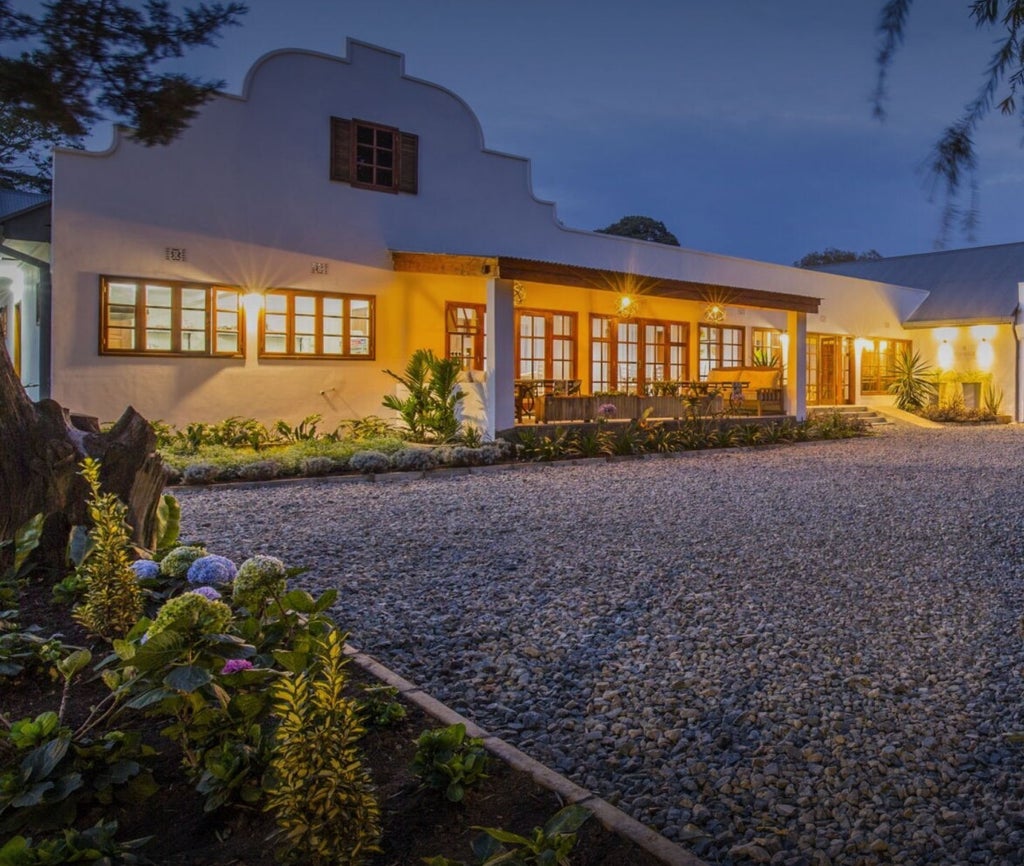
(177, 563)
(112, 598)
(313, 466)
(369, 462)
(211, 570)
(413, 460)
(260, 470)
(448, 760)
(191, 615)
(259, 578)
(316, 786)
(201, 473)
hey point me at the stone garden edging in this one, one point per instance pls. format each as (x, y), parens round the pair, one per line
(612, 818)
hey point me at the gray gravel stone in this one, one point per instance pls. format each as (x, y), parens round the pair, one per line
(805, 655)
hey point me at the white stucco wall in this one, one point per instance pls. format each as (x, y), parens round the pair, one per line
(245, 191)
(19, 295)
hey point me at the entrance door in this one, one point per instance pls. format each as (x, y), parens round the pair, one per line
(829, 372)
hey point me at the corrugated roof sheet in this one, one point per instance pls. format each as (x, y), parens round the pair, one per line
(974, 284)
(14, 201)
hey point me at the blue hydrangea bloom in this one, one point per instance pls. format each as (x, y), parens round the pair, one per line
(146, 569)
(206, 592)
(211, 570)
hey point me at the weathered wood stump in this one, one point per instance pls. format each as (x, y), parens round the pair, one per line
(40, 452)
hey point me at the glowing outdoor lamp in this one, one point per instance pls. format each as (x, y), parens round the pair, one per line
(945, 355)
(984, 355)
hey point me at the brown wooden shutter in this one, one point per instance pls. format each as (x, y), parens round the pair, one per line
(409, 170)
(341, 149)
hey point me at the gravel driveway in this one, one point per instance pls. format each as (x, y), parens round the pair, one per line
(800, 655)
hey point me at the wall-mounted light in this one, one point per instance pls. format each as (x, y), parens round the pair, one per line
(984, 355)
(627, 305)
(714, 313)
(945, 355)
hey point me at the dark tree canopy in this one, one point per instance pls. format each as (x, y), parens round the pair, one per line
(78, 62)
(953, 161)
(833, 256)
(642, 228)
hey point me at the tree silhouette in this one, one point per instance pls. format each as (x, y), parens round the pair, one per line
(642, 228)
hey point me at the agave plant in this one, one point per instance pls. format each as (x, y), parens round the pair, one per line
(913, 382)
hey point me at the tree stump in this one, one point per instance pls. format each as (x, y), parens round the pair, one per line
(40, 451)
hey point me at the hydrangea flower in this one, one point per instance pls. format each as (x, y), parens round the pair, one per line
(233, 666)
(146, 569)
(192, 615)
(606, 410)
(211, 569)
(207, 592)
(176, 564)
(259, 578)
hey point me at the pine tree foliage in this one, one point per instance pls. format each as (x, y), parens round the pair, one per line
(74, 63)
(953, 162)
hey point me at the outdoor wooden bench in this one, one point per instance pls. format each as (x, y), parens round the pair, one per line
(754, 389)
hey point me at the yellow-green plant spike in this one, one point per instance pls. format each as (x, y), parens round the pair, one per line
(112, 601)
(317, 788)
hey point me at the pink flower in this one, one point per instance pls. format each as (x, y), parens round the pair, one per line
(233, 666)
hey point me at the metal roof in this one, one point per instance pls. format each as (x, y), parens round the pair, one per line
(14, 201)
(978, 284)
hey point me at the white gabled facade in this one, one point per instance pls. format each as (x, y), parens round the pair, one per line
(244, 201)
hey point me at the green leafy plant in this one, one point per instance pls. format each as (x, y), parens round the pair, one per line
(316, 786)
(764, 358)
(379, 708)
(304, 431)
(62, 771)
(592, 443)
(448, 760)
(428, 409)
(112, 599)
(992, 399)
(549, 845)
(98, 844)
(913, 382)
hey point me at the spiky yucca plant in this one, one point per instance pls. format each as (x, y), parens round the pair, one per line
(316, 785)
(913, 383)
(112, 601)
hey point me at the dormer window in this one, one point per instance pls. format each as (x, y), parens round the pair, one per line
(373, 156)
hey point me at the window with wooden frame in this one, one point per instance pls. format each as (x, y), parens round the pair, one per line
(545, 344)
(878, 364)
(719, 346)
(766, 344)
(163, 317)
(630, 355)
(300, 324)
(373, 156)
(464, 333)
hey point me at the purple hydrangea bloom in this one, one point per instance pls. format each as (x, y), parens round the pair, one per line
(606, 410)
(206, 592)
(211, 569)
(146, 569)
(233, 666)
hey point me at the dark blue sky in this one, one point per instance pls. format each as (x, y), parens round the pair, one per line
(745, 126)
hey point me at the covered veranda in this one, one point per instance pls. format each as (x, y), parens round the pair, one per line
(506, 280)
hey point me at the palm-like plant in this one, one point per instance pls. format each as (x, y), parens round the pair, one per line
(913, 382)
(433, 394)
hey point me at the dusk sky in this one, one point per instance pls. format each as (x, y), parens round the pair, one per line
(746, 127)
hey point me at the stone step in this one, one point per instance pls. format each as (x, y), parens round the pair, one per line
(862, 413)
